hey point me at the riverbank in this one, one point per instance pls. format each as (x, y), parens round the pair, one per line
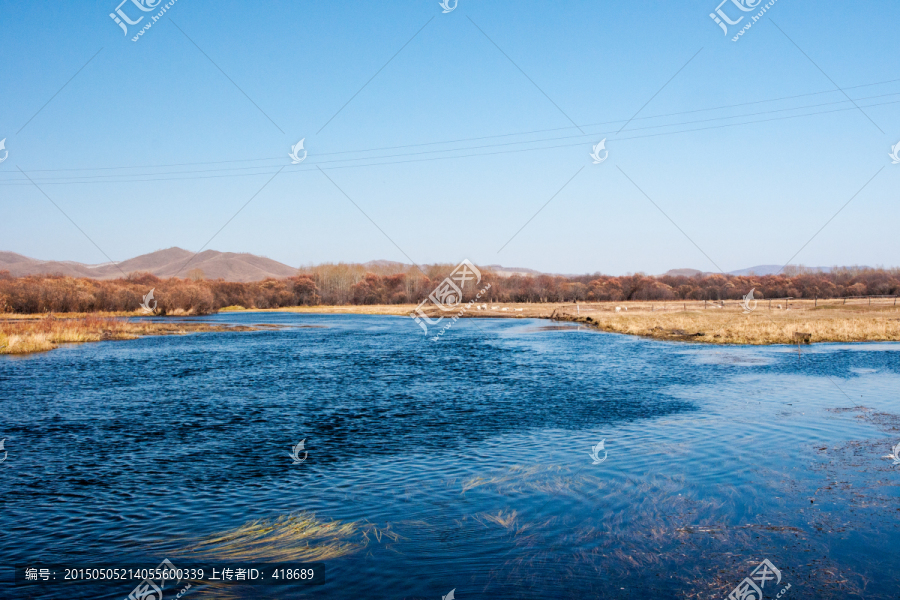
(770, 322)
(775, 322)
(25, 334)
(801, 321)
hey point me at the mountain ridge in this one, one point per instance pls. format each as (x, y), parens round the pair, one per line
(171, 262)
(244, 267)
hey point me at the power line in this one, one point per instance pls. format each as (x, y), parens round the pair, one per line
(459, 140)
(61, 182)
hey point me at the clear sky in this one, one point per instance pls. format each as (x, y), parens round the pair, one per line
(205, 107)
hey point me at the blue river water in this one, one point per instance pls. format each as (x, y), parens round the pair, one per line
(462, 465)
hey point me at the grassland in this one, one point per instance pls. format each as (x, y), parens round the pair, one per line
(21, 334)
(703, 322)
(831, 321)
(856, 320)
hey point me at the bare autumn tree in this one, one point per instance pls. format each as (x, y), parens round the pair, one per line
(346, 283)
(306, 291)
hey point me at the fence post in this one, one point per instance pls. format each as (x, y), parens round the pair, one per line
(817, 301)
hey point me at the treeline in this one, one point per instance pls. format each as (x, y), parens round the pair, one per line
(353, 284)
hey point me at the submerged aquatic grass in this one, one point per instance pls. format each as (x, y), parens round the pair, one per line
(291, 538)
(543, 479)
(666, 530)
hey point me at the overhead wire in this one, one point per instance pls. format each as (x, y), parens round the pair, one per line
(484, 137)
(261, 169)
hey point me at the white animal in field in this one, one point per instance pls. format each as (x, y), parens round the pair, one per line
(519, 309)
(505, 308)
(779, 306)
(618, 309)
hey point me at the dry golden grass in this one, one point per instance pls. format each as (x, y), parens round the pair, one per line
(299, 537)
(25, 335)
(730, 325)
(720, 323)
(824, 320)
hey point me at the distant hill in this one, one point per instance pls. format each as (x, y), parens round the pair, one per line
(229, 266)
(386, 266)
(682, 273)
(502, 271)
(767, 270)
(772, 269)
(173, 262)
(391, 267)
(757, 270)
(244, 268)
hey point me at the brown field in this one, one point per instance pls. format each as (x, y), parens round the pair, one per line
(835, 320)
(829, 321)
(854, 320)
(20, 334)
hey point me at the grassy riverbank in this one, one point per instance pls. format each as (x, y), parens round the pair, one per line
(857, 320)
(21, 334)
(728, 323)
(704, 322)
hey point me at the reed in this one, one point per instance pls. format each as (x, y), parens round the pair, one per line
(292, 538)
(24, 336)
(759, 327)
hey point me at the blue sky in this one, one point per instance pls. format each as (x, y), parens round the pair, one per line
(740, 186)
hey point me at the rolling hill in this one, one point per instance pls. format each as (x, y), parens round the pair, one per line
(171, 262)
